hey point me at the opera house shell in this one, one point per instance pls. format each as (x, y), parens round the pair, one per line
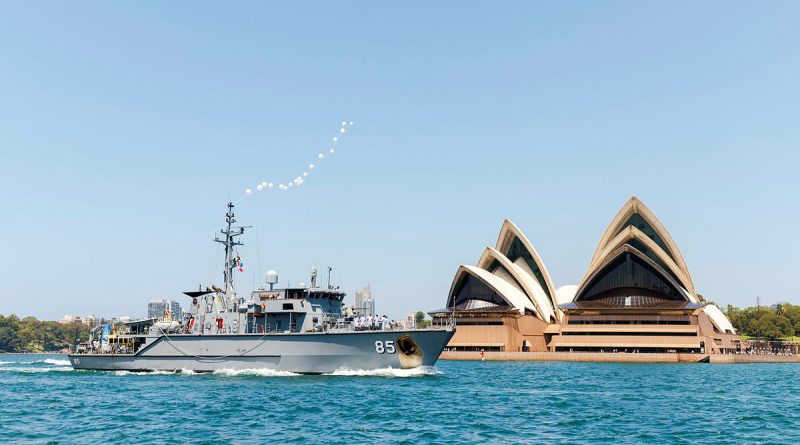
(637, 295)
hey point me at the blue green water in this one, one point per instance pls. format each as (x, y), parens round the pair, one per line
(43, 401)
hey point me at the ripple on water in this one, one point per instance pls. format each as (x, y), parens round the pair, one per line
(457, 402)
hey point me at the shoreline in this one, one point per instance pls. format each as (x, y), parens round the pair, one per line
(34, 353)
(617, 357)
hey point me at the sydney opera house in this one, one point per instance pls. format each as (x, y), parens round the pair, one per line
(637, 295)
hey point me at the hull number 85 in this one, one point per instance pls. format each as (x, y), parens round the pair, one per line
(384, 347)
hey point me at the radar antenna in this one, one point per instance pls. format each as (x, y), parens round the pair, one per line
(231, 232)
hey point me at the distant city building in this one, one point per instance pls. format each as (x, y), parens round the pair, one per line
(124, 319)
(157, 308)
(177, 311)
(365, 305)
(70, 319)
(90, 320)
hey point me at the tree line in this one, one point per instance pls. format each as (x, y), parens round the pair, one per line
(780, 321)
(31, 335)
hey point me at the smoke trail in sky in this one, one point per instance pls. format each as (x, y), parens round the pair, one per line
(298, 180)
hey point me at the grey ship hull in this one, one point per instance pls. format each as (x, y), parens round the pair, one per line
(307, 353)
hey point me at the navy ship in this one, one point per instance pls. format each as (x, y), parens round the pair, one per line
(296, 329)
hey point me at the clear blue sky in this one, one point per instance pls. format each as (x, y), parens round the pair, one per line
(124, 126)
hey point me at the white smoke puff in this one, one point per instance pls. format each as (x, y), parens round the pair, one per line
(351, 123)
(335, 139)
(305, 173)
(270, 185)
(320, 155)
(342, 130)
(248, 191)
(259, 187)
(311, 166)
(331, 151)
(344, 123)
(264, 184)
(290, 184)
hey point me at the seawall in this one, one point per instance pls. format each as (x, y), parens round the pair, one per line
(611, 357)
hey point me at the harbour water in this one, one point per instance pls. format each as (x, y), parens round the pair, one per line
(42, 400)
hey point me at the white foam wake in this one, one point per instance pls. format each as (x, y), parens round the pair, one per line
(254, 372)
(49, 361)
(36, 370)
(387, 372)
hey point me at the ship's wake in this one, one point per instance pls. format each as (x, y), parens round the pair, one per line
(36, 366)
(253, 372)
(35, 370)
(387, 372)
(48, 361)
(61, 365)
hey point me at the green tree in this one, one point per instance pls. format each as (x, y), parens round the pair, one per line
(774, 326)
(9, 339)
(50, 335)
(792, 312)
(74, 332)
(419, 320)
(734, 314)
(29, 334)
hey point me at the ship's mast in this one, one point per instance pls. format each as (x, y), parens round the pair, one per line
(231, 232)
